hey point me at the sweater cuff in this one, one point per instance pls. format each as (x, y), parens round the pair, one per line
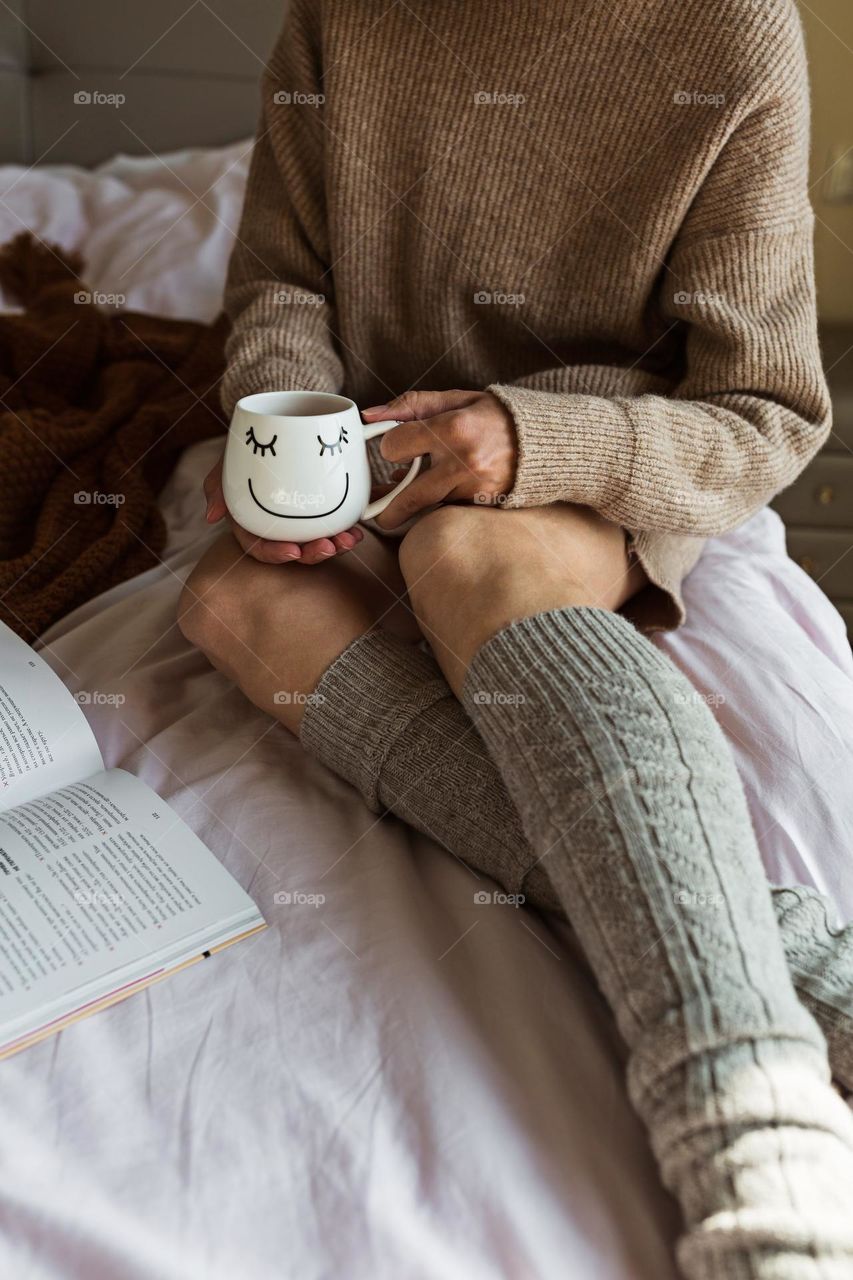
(365, 700)
(571, 448)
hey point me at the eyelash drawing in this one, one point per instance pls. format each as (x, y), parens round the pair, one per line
(337, 446)
(257, 447)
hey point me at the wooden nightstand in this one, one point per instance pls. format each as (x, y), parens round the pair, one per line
(818, 507)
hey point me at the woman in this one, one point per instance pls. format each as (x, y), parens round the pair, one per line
(596, 224)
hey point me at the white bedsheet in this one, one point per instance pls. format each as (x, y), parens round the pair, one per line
(399, 1082)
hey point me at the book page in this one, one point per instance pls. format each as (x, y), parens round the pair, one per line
(95, 878)
(45, 740)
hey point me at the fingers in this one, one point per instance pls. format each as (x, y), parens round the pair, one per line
(268, 552)
(420, 404)
(348, 539)
(429, 489)
(215, 503)
(325, 548)
(262, 549)
(412, 440)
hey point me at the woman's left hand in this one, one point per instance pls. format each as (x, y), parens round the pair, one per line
(470, 438)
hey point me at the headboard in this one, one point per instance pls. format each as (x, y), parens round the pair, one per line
(187, 71)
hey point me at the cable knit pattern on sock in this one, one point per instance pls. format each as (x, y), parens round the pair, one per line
(626, 782)
(387, 722)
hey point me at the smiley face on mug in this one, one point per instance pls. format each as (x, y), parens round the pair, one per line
(296, 465)
(294, 504)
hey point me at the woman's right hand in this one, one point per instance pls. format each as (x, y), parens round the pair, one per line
(274, 552)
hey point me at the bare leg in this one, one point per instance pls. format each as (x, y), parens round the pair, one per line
(274, 629)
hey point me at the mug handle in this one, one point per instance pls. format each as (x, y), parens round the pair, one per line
(376, 508)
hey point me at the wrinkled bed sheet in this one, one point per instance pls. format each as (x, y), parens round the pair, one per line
(398, 1082)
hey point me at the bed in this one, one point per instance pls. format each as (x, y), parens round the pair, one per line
(395, 1081)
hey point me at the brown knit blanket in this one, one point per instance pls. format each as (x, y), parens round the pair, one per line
(95, 407)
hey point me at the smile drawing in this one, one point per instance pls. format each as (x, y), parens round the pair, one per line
(287, 515)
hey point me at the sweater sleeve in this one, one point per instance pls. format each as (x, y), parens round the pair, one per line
(279, 292)
(751, 405)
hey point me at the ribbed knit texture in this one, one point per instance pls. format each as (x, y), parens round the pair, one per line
(616, 241)
(389, 724)
(608, 761)
(386, 721)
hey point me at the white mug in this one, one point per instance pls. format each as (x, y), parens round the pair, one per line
(296, 465)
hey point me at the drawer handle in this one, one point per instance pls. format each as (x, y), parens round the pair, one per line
(807, 563)
(825, 495)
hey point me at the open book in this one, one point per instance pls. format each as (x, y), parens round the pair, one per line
(102, 888)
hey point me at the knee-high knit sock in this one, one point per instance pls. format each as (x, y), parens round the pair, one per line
(609, 763)
(390, 725)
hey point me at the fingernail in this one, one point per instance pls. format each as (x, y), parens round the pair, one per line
(377, 408)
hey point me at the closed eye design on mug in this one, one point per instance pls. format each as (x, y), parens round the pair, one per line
(257, 446)
(337, 446)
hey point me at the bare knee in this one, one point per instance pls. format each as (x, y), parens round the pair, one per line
(442, 539)
(468, 549)
(217, 605)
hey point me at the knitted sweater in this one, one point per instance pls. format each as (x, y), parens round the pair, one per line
(599, 214)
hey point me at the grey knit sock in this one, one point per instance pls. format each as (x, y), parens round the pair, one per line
(612, 765)
(384, 718)
(390, 725)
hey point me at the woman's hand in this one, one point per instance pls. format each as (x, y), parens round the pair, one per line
(470, 438)
(274, 552)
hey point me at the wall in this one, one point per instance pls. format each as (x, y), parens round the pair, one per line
(829, 40)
